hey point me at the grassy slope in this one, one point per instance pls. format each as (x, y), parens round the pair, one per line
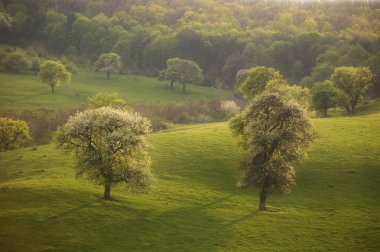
(196, 207)
(24, 91)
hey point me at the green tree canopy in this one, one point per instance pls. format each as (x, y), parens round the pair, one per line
(16, 61)
(110, 147)
(108, 63)
(258, 78)
(324, 96)
(353, 82)
(105, 99)
(13, 134)
(274, 134)
(184, 71)
(53, 73)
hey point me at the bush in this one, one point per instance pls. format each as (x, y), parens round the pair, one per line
(184, 117)
(16, 61)
(13, 134)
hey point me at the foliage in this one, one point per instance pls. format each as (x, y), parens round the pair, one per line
(106, 99)
(353, 82)
(13, 134)
(108, 63)
(274, 134)
(221, 36)
(258, 78)
(287, 92)
(110, 147)
(53, 73)
(16, 61)
(184, 71)
(324, 96)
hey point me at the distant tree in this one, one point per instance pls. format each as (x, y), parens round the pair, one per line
(108, 63)
(258, 78)
(13, 134)
(233, 63)
(353, 82)
(110, 147)
(16, 61)
(105, 99)
(274, 134)
(241, 76)
(324, 96)
(184, 71)
(53, 73)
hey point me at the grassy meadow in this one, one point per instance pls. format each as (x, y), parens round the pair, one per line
(25, 91)
(196, 206)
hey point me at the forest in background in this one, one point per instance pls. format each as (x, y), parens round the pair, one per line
(304, 40)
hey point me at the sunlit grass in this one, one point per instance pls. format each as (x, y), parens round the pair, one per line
(196, 205)
(25, 91)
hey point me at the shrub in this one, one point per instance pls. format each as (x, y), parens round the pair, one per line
(13, 134)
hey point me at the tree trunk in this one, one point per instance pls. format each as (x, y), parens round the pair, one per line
(172, 84)
(108, 75)
(325, 112)
(353, 106)
(52, 88)
(184, 87)
(107, 191)
(264, 194)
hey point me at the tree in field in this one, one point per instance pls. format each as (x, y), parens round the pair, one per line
(106, 99)
(13, 134)
(53, 73)
(110, 147)
(258, 78)
(274, 134)
(353, 82)
(184, 71)
(324, 96)
(108, 63)
(16, 61)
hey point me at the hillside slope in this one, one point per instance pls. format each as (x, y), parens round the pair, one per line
(196, 205)
(20, 91)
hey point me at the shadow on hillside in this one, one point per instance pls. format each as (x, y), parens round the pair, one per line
(174, 230)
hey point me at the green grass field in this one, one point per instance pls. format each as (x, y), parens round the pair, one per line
(25, 91)
(195, 205)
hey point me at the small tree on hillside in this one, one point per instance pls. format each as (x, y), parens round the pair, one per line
(13, 134)
(258, 78)
(274, 134)
(16, 61)
(108, 63)
(106, 99)
(353, 82)
(53, 73)
(184, 71)
(324, 96)
(110, 147)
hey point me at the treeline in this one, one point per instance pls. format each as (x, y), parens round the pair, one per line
(306, 41)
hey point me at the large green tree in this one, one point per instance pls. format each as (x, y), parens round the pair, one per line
(13, 134)
(274, 134)
(258, 78)
(108, 63)
(324, 96)
(184, 71)
(110, 147)
(53, 73)
(353, 82)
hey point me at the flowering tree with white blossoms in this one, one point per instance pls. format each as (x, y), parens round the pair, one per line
(110, 146)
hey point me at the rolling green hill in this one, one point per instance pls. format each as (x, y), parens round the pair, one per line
(25, 91)
(196, 206)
